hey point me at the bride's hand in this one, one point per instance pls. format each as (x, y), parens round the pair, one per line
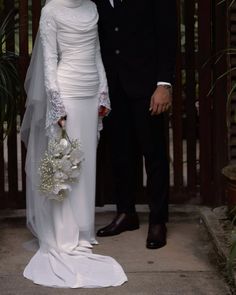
(62, 122)
(103, 111)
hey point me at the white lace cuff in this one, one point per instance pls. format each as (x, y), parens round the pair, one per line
(56, 109)
(105, 101)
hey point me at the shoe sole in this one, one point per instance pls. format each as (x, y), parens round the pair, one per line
(156, 246)
(117, 233)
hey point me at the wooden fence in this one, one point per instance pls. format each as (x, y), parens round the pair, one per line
(232, 81)
(197, 128)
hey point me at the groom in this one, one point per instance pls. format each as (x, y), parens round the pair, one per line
(138, 45)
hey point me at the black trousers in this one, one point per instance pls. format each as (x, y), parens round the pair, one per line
(132, 128)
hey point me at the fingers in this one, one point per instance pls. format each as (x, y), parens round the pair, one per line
(62, 122)
(157, 109)
(103, 111)
(160, 109)
(160, 101)
(167, 107)
(153, 106)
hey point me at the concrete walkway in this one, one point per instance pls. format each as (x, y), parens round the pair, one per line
(185, 266)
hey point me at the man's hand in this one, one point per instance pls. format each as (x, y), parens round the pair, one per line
(161, 100)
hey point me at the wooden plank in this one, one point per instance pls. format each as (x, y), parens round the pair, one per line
(22, 195)
(220, 142)
(2, 164)
(232, 63)
(2, 173)
(205, 102)
(191, 114)
(9, 7)
(177, 116)
(23, 63)
(36, 9)
(12, 163)
(11, 140)
(23, 36)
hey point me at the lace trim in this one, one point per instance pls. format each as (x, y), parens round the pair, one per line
(56, 109)
(105, 101)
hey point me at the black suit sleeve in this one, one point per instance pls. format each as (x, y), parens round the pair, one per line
(166, 25)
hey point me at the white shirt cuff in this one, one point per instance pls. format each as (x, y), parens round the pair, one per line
(163, 83)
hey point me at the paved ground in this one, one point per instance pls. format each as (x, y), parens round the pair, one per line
(185, 266)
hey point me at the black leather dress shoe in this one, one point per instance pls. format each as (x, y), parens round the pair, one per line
(156, 236)
(122, 222)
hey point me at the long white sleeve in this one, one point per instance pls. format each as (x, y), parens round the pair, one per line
(48, 34)
(103, 88)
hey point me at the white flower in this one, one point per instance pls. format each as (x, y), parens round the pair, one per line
(65, 146)
(75, 173)
(65, 165)
(76, 156)
(60, 176)
(63, 143)
(61, 188)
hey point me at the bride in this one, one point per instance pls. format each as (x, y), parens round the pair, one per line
(66, 85)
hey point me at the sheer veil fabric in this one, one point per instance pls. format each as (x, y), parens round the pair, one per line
(65, 230)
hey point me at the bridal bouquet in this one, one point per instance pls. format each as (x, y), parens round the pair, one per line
(60, 167)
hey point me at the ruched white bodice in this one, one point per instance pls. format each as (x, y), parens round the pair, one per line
(77, 45)
(73, 64)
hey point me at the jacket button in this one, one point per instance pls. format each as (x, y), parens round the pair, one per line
(117, 51)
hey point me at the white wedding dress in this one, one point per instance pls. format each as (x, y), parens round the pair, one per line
(75, 85)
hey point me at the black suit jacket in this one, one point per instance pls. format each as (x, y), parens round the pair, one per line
(138, 43)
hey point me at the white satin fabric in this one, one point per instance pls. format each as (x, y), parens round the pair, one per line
(65, 230)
